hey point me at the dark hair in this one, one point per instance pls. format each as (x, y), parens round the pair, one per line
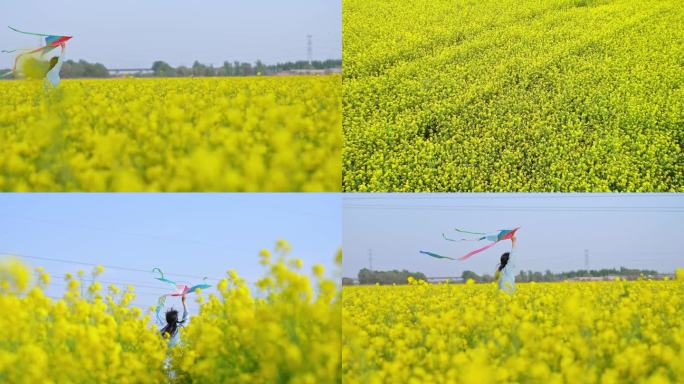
(504, 260)
(53, 61)
(171, 327)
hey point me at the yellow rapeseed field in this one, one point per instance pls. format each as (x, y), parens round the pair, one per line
(590, 332)
(513, 95)
(287, 331)
(95, 338)
(209, 134)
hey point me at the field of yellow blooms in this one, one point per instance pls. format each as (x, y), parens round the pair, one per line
(287, 332)
(590, 332)
(513, 95)
(95, 338)
(218, 134)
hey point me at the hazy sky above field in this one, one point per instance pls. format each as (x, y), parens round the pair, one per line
(200, 234)
(133, 34)
(635, 231)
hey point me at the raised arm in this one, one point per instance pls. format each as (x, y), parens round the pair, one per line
(514, 241)
(514, 251)
(185, 310)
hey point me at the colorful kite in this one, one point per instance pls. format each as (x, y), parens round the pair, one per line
(495, 237)
(180, 289)
(51, 42)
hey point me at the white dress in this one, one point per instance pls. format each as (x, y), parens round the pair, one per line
(507, 276)
(53, 74)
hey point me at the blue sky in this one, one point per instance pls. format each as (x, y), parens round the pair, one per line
(128, 33)
(631, 230)
(201, 234)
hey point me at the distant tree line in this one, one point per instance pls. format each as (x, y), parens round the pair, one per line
(73, 69)
(82, 68)
(527, 276)
(366, 276)
(237, 68)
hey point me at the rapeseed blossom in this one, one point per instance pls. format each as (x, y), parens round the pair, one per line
(513, 95)
(219, 134)
(74, 339)
(288, 330)
(588, 332)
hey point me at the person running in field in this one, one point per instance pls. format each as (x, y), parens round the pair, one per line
(505, 273)
(52, 77)
(170, 330)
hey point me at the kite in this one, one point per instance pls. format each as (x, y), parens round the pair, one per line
(179, 289)
(495, 237)
(51, 42)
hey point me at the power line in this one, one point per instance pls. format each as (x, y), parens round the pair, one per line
(499, 196)
(579, 209)
(122, 283)
(157, 294)
(125, 233)
(103, 265)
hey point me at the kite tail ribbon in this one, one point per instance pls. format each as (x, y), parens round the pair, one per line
(436, 255)
(199, 286)
(26, 33)
(467, 255)
(162, 278)
(446, 238)
(472, 233)
(160, 305)
(14, 50)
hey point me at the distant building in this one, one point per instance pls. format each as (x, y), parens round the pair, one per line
(302, 72)
(123, 72)
(440, 279)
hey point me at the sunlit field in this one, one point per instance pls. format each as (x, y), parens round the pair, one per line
(513, 96)
(208, 134)
(287, 330)
(588, 332)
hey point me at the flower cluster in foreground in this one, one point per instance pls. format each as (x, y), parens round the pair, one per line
(227, 134)
(513, 95)
(589, 332)
(94, 338)
(288, 330)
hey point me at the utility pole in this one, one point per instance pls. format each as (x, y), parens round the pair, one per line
(370, 258)
(309, 50)
(586, 259)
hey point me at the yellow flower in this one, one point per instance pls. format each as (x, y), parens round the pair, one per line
(473, 96)
(679, 273)
(607, 332)
(248, 336)
(98, 270)
(318, 270)
(263, 336)
(173, 134)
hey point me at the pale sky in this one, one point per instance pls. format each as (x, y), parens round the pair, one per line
(630, 230)
(197, 234)
(134, 34)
